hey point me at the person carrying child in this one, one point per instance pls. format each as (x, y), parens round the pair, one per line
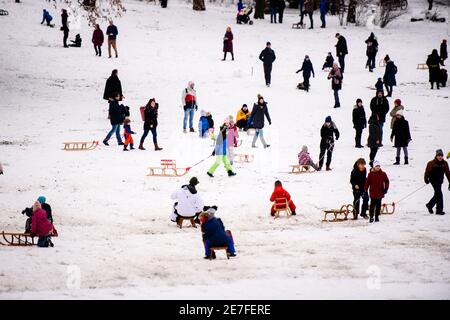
(304, 159)
(127, 132)
(279, 194)
(214, 234)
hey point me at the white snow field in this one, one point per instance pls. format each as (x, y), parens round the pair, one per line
(115, 238)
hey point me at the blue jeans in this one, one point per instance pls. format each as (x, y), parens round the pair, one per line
(322, 18)
(44, 242)
(337, 103)
(188, 113)
(273, 15)
(259, 133)
(146, 131)
(115, 128)
(229, 243)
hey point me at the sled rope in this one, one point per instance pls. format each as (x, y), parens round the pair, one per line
(410, 194)
(189, 168)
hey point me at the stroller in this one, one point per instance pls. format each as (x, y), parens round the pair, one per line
(244, 16)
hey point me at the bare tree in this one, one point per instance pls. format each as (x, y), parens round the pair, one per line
(388, 11)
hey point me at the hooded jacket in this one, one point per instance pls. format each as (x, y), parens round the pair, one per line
(377, 183)
(374, 133)
(189, 201)
(401, 133)
(359, 117)
(189, 96)
(258, 113)
(358, 177)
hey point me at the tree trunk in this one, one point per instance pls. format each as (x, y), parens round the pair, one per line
(198, 5)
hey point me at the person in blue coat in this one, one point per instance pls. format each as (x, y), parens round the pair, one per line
(46, 17)
(214, 234)
(323, 12)
(307, 69)
(240, 6)
(112, 33)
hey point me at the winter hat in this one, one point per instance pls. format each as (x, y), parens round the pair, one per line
(399, 113)
(41, 199)
(328, 119)
(305, 149)
(193, 181)
(358, 101)
(376, 163)
(306, 57)
(439, 152)
(127, 120)
(398, 102)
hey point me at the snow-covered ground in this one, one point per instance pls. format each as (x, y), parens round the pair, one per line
(113, 219)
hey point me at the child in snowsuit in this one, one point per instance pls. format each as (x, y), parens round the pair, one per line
(220, 151)
(242, 118)
(377, 183)
(304, 159)
(358, 180)
(203, 125)
(214, 235)
(127, 132)
(77, 42)
(328, 61)
(443, 77)
(232, 136)
(278, 195)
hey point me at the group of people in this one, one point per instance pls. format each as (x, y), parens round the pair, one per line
(435, 60)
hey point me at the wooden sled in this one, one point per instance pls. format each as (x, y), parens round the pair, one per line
(422, 66)
(388, 208)
(326, 69)
(168, 168)
(16, 239)
(80, 146)
(213, 249)
(281, 205)
(180, 221)
(345, 210)
(298, 25)
(3, 12)
(298, 168)
(243, 158)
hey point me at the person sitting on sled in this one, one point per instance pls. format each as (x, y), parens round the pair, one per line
(41, 226)
(328, 62)
(214, 234)
(220, 151)
(242, 118)
(280, 193)
(205, 124)
(77, 42)
(189, 204)
(304, 159)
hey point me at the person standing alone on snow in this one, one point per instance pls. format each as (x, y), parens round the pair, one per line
(112, 33)
(323, 12)
(267, 56)
(377, 184)
(65, 27)
(327, 133)
(228, 44)
(371, 52)
(359, 121)
(307, 69)
(97, 40)
(259, 111)
(336, 83)
(434, 174)
(189, 102)
(402, 135)
(358, 181)
(341, 50)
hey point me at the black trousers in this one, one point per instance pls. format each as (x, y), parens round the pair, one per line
(375, 207)
(241, 124)
(437, 199)
(98, 50)
(389, 90)
(66, 35)
(373, 153)
(371, 61)
(358, 136)
(306, 82)
(280, 15)
(342, 62)
(329, 150)
(267, 72)
(357, 195)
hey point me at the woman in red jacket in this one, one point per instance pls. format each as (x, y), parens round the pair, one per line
(280, 193)
(97, 40)
(378, 183)
(41, 226)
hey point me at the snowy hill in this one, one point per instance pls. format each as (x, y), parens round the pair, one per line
(113, 220)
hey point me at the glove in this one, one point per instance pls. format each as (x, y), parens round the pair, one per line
(196, 107)
(385, 191)
(297, 71)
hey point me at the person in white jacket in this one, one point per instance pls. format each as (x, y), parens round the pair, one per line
(189, 103)
(189, 203)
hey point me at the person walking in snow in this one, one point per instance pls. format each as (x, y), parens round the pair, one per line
(280, 193)
(97, 40)
(433, 62)
(402, 135)
(215, 235)
(434, 174)
(359, 121)
(307, 69)
(150, 123)
(374, 138)
(304, 159)
(189, 203)
(259, 113)
(267, 56)
(377, 184)
(336, 83)
(273, 10)
(371, 51)
(47, 18)
(341, 50)
(443, 52)
(380, 106)
(220, 151)
(358, 181)
(65, 26)
(127, 133)
(228, 44)
(323, 12)
(389, 75)
(327, 133)
(242, 118)
(112, 33)
(397, 107)
(116, 118)
(328, 61)
(113, 85)
(189, 102)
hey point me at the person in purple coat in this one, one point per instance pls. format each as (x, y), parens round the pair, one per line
(228, 44)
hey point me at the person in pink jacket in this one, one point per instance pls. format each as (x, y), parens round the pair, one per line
(41, 226)
(304, 159)
(232, 136)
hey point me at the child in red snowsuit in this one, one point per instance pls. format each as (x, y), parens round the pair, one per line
(279, 192)
(127, 132)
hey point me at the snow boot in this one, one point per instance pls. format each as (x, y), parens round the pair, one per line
(293, 213)
(210, 256)
(105, 142)
(184, 131)
(141, 146)
(377, 219)
(210, 174)
(231, 173)
(397, 161)
(131, 146)
(121, 144)
(430, 209)
(328, 168)
(365, 216)
(157, 148)
(266, 146)
(191, 130)
(125, 148)
(440, 213)
(406, 160)
(371, 219)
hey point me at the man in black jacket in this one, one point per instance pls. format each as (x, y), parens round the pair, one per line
(65, 27)
(327, 133)
(434, 174)
(359, 121)
(257, 120)
(358, 180)
(341, 50)
(380, 106)
(267, 56)
(113, 85)
(307, 69)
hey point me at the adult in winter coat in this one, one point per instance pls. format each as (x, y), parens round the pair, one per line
(327, 133)
(301, 6)
(41, 226)
(150, 123)
(329, 60)
(281, 6)
(323, 12)
(434, 174)
(189, 203)
(336, 83)
(65, 27)
(113, 85)
(341, 50)
(273, 10)
(267, 56)
(434, 68)
(112, 33)
(309, 9)
(358, 181)
(359, 121)
(397, 107)
(215, 235)
(371, 51)
(443, 52)
(374, 139)
(259, 9)
(116, 117)
(280, 193)
(228, 44)
(389, 75)
(377, 183)
(380, 106)
(307, 69)
(97, 40)
(242, 118)
(46, 17)
(189, 102)
(220, 151)
(402, 136)
(259, 111)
